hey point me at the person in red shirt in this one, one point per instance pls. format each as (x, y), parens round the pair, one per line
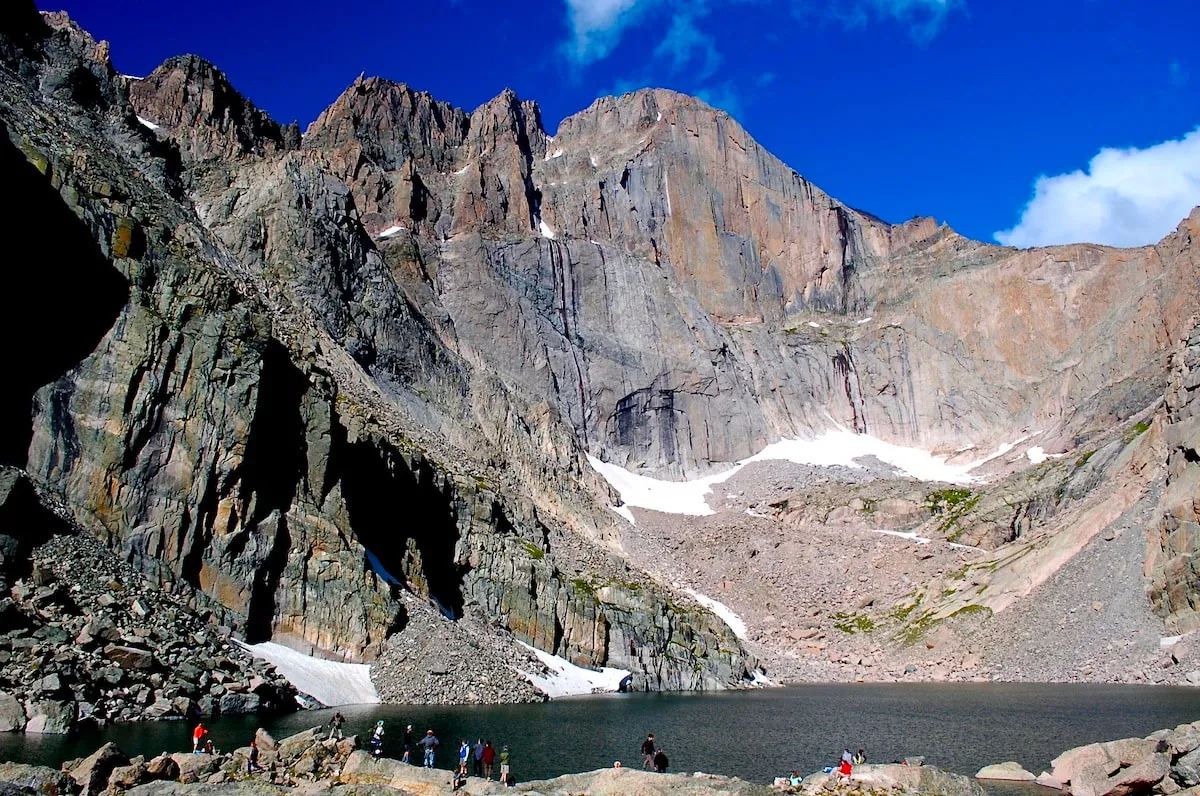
(198, 737)
(489, 757)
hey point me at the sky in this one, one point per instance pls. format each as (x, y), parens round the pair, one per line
(1027, 122)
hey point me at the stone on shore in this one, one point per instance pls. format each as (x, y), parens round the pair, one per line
(23, 779)
(1047, 780)
(1010, 771)
(92, 773)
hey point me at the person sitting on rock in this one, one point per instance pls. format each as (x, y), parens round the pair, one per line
(660, 761)
(860, 757)
(795, 779)
(844, 771)
(209, 749)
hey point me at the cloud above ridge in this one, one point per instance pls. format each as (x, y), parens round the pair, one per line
(1125, 197)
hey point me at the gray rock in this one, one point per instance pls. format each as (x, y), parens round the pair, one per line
(1011, 771)
(29, 779)
(50, 717)
(92, 773)
(12, 713)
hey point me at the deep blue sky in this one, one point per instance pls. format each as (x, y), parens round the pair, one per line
(949, 108)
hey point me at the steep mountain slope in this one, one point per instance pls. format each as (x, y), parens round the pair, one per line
(327, 372)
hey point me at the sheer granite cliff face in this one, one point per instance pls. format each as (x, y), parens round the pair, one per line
(375, 356)
(1172, 561)
(261, 416)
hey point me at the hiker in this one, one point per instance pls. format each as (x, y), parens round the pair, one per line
(464, 756)
(489, 756)
(198, 737)
(860, 757)
(335, 726)
(504, 765)
(252, 761)
(430, 742)
(795, 779)
(377, 739)
(209, 749)
(847, 757)
(648, 751)
(478, 754)
(660, 761)
(459, 780)
(845, 770)
(408, 745)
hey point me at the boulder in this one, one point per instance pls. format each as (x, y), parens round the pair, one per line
(1047, 780)
(1133, 778)
(1184, 738)
(195, 767)
(126, 777)
(25, 779)
(91, 773)
(231, 704)
(131, 658)
(1010, 771)
(266, 742)
(162, 767)
(1187, 769)
(291, 747)
(50, 717)
(12, 713)
(1105, 757)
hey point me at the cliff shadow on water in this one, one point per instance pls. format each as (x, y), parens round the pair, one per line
(61, 293)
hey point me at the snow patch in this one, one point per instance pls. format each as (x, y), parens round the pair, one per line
(329, 682)
(132, 77)
(814, 324)
(624, 511)
(592, 160)
(544, 228)
(865, 320)
(760, 680)
(912, 537)
(1169, 641)
(389, 232)
(567, 679)
(839, 447)
(1037, 455)
(659, 119)
(723, 611)
(147, 123)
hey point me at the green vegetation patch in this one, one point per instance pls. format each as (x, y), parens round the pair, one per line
(853, 623)
(1135, 431)
(951, 505)
(1083, 459)
(535, 552)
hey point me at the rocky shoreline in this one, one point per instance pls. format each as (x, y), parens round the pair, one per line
(1164, 763)
(85, 640)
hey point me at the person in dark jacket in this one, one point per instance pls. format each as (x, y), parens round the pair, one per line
(477, 753)
(660, 761)
(252, 761)
(409, 745)
(431, 743)
(648, 751)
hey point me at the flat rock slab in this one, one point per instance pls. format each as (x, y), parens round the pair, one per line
(1010, 771)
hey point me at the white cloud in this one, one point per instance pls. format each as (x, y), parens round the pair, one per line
(1127, 197)
(597, 25)
(682, 40)
(924, 17)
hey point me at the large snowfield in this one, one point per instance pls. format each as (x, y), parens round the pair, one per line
(329, 682)
(567, 679)
(839, 447)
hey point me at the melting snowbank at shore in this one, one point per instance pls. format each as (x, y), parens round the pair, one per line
(329, 682)
(835, 448)
(567, 679)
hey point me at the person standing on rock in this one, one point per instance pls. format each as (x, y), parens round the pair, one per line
(430, 742)
(409, 745)
(489, 757)
(252, 761)
(464, 756)
(648, 751)
(504, 765)
(335, 726)
(377, 740)
(478, 754)
(660, 761)
(198, 737)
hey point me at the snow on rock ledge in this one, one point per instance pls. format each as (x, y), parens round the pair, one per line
(721, 610)
(567, 679)
(329, 682)
(839, 447)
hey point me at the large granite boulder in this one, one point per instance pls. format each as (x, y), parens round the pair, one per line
(19, 778)
(93, 772)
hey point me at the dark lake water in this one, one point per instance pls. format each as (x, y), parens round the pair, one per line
(755, 735)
